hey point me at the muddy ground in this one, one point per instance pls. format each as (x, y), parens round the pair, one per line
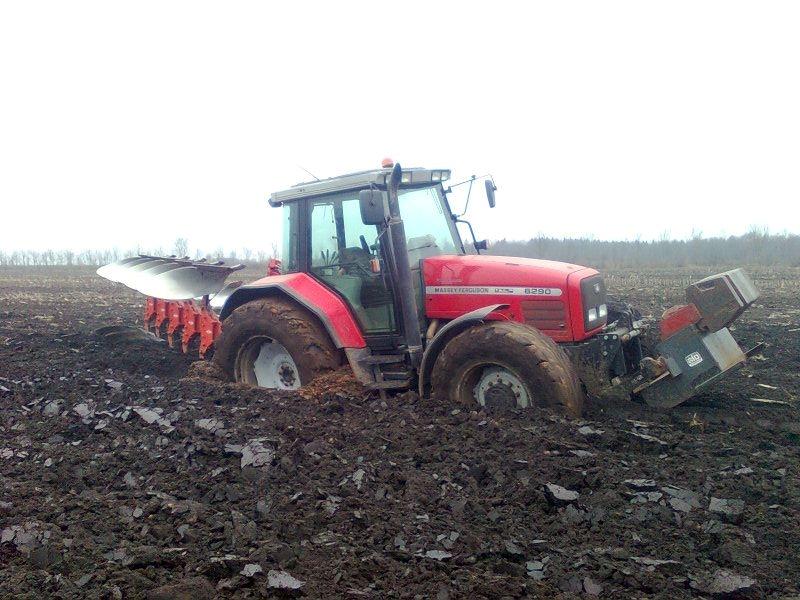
(125, 475)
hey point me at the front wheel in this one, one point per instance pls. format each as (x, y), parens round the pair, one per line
(273, 343)
(501, 363)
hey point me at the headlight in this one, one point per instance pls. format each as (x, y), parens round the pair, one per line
(593, 302)
(406, 178)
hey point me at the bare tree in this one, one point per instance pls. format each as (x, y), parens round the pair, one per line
(181, 247)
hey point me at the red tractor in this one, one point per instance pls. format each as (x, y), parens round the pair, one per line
(375, 273)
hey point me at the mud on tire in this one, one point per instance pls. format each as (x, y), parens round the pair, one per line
(533, 358)
(296, 329)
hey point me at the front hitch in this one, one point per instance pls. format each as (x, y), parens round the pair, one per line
(696, 346)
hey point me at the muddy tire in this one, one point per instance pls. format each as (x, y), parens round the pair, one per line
(506, 364)
(274, 343)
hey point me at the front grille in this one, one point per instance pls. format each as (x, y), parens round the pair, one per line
(544, 314)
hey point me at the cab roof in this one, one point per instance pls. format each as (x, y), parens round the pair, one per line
(356, 181)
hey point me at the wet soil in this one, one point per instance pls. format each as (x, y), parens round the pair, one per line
(126, 472)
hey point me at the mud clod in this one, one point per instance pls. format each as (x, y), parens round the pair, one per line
(731, 510)
(559, 495)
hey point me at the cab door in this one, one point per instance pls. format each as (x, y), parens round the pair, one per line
(345, 254)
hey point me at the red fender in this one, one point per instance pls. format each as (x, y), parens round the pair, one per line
(309, 293)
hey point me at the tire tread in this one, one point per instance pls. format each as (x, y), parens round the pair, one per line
(546, 364)
(296, 328)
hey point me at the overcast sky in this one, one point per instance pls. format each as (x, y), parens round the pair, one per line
(133, 123)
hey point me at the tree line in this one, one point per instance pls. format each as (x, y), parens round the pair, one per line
(757, 247)
(180, 248)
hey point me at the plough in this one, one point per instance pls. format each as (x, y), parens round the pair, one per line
(181, 295)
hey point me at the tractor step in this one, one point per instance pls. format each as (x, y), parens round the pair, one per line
(387, 371)
(383, 359)
(392, 384)
(396, 375)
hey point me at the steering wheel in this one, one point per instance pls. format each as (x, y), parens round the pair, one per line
(351, 268)
(364, 244)
(359, 268)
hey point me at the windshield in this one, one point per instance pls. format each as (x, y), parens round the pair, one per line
(429, 227)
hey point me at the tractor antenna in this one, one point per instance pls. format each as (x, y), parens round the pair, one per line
(309, 172)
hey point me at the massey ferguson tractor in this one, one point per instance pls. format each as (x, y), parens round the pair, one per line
(374, 273)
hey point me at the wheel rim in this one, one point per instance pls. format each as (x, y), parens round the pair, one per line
(265, 362)
(493, 386)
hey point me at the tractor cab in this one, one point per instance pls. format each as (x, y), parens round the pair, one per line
(326, 236)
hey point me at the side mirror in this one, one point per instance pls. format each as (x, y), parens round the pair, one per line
(481, 244)
(490, 189)
(373, 207)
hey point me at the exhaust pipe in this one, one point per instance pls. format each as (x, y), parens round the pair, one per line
(406, 296)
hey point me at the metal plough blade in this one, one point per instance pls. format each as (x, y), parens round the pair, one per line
(113, 270)
(169, 278)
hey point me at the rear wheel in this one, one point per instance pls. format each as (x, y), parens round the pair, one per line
(273, 343)
(506, 364)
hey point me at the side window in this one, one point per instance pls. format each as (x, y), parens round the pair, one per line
(344, 254)
(324, 238)
(291, 235)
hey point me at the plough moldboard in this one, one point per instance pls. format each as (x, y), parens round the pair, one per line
(169, 278)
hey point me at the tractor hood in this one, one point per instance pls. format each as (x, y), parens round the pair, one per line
(545, 293)
(485, 270)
